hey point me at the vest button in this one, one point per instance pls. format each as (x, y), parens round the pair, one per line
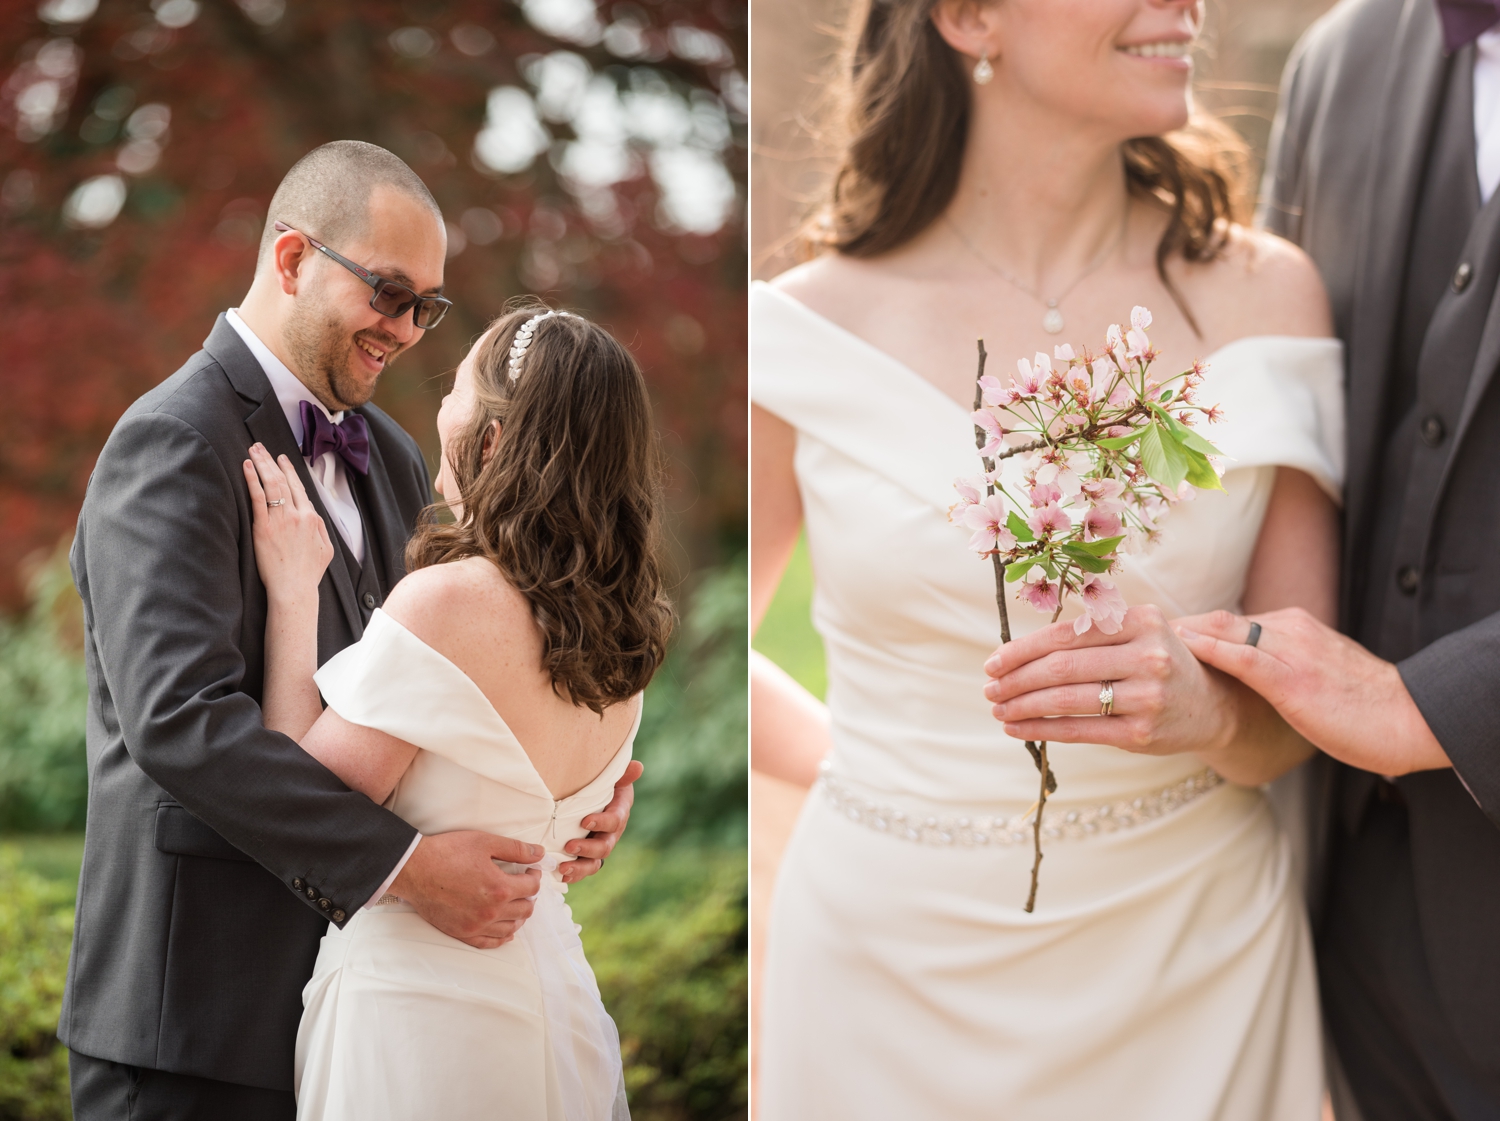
(1462, 276)
(1407, 579)
(370, 600)
(1433, 431)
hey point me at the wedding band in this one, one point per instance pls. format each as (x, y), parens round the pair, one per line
(1106, 698)
(1253, 639)
(275, 501)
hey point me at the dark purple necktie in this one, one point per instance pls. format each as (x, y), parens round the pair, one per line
(349, 440)
(1466, 20)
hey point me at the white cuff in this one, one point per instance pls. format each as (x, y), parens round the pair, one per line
(396, 871)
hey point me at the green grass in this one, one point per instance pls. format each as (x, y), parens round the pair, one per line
(786, 634)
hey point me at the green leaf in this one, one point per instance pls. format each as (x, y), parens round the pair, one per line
(1085, 560)
(1014, 572)
(1163, 457)
(1102, 547)
(1119, 443)
(1185, 435)
(1167, 396)
(1019, 529)
(1201, 472)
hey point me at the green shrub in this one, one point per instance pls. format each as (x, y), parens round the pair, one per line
(36, 924)
(43, 772)
(694, 737)
(666, 935)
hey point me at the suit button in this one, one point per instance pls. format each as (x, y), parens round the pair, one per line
(1433, 431)
(370, 600)
(1407, 579)
(1462, 276)
(338, 916)
(325, 903)
(311, 893)
(297, 883)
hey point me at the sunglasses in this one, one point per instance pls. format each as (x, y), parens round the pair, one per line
(391, 300)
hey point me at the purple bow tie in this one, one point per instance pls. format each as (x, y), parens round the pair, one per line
(349, 439)
(1466, 20)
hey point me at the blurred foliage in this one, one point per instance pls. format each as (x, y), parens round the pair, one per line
(590, 153)
(43, 773)
(786, 634)
(666, 934)
(36, 926)
(695, 725)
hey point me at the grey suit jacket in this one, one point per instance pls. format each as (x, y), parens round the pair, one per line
(216, 851)
(1359, 102)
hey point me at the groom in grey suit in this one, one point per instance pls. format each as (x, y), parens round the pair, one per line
(217, 851)
(1385, 165)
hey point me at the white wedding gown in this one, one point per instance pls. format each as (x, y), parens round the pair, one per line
(1167, 973)
(403, 1023)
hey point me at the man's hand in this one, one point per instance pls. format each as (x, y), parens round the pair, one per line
(1342, 698)
(452, 881)
(608, 825)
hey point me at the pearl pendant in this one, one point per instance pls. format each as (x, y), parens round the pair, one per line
(983, 71)
(1052, 322)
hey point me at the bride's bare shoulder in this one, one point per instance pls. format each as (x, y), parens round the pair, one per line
(1261, 284)
(461, 607)
(833, 285)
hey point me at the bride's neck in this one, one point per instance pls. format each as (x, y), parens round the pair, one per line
(1038, 198)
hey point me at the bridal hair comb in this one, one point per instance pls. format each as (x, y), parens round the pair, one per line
(523, 339)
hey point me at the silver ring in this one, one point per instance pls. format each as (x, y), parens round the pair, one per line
(1254, 637)
(1106, 698)
(275, 501)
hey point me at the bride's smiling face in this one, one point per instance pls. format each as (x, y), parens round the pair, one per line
(1123, 67)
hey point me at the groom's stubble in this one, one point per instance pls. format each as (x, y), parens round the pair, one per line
(321, 352)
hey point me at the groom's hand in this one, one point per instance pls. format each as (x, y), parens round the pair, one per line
(1342, 698)
(452, 881)
(607, 825)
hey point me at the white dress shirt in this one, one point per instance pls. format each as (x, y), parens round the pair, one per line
(1487, 112)
(328, 472)
(328, 475)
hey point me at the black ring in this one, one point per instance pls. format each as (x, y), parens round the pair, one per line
(1254, 637)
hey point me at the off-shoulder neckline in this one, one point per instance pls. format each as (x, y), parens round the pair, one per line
(489, 706)
(895, 363)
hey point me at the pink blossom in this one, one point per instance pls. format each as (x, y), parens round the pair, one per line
(1214, 414)
(970, 490)
(994, 434)
(1137, 344)
(1103, 606)
(1063, 353)
(1031, 378)
(1114, 337)
(1064, 471)
(1103, 520)
(1076, 420)
(1048, 520)
(1102, 490)
(1038, 591)
(987, 518)
(1044, 494)
(994, 392)
(1140, 318)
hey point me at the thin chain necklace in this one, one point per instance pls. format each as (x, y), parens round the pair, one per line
(1052, 321)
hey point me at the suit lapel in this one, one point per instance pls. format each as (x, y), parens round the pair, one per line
(267, 424)
(1412, 97)
(386, 533)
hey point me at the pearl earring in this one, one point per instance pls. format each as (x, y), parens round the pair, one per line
(984, 71)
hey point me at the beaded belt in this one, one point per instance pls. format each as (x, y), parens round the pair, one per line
(1057, 825)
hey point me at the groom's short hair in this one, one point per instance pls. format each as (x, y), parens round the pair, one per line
(326, 194)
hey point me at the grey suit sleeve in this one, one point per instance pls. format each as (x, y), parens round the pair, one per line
(1280, 209)
(161, 572)
(1453, 682)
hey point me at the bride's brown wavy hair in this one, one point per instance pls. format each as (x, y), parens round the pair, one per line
(904, 97)
(566, 503)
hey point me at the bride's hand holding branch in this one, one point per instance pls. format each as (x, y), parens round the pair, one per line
(1048, 685)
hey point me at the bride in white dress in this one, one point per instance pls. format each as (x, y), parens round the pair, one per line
(497, 689)
(990, 187)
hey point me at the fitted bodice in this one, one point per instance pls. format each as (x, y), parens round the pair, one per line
(907, 613)
(470, 771)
